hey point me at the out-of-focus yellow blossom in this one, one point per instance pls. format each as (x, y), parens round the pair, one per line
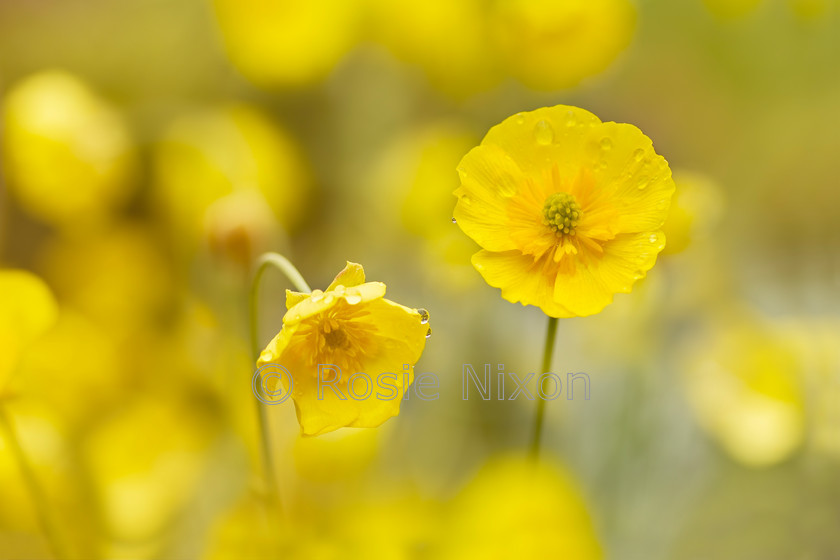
(67, 153)
(207, 156)
(240, 226)
(743, 379)
(281, 43)
(316, 458)
(448, 40)
(390, 525)
(731, 9)
(518, 508)
(416, 173)
(119, 278)
(566, 208)
(554, 45)
(352, 326)
(80, 375)
(147, 493)
(695, 209)
(27, 311)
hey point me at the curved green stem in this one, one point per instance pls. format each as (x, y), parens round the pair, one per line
(288, 269)
(39, 499)
(548, 353)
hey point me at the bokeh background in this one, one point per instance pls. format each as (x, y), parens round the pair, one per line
(152, 149)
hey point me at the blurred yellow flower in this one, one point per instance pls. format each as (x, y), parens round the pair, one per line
(566, 208)
(67, 153)
(119, 278)
(518, 508)
(27, 310)
(743, 378)
(206, 156)
(448, 40)
(279, 43)
(352, 326)
(696, 208)
(554, 45)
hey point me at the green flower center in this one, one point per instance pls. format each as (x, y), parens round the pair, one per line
(562, 213)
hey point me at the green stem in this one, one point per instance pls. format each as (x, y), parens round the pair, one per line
(548, 353)
(288, 269)
(39, 499)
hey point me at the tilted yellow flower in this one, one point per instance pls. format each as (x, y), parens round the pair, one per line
(568, 209)
(353, 327)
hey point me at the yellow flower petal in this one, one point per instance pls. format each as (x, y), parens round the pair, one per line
(319, 301)
(521, 279)
(352, 275)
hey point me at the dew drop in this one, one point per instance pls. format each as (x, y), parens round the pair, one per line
(339, 289)
(520, 118)
(429, 333)
(353, 299)
(466, 200)
(543, 133)
(643, 184)
(570, 119)
(639, 154)
(317, 295)
(454, 221)
(654, 238)
(606, 144)
(424, 316)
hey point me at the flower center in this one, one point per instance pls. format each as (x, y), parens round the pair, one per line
(561, 213)
(334, 335)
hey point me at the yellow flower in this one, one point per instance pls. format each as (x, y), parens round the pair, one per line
(68, 154)
(553, 45)
(353, 327)
(448, 40)
(278, 43)
(743, 378)
(518, 508)
(695, 210)
(205, 156)
(566, 208)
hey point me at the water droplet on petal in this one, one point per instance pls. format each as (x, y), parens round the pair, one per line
(317, 295)
(654, 238)
(543, 133)
(429, 333)
(424, 316)
(643, 184)
(570, 119)
(454, 221)
(606, 144)
(466, 200)
(353, 299)
(520, 118)
(339, 289)
(639, 154)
